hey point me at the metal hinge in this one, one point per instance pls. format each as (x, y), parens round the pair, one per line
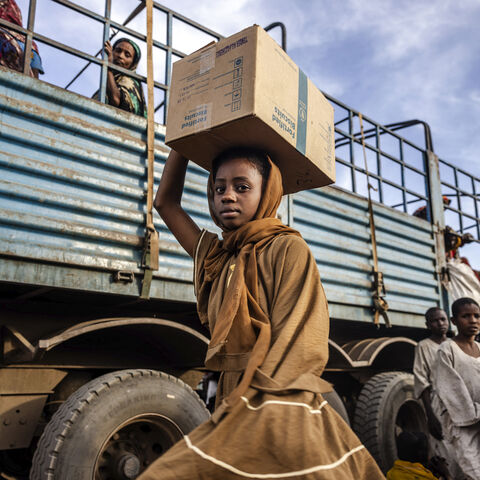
(123, 276)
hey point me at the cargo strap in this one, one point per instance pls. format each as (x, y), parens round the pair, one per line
(151, 243)
(380, 305)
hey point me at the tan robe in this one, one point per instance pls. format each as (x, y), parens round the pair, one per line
(282, 427)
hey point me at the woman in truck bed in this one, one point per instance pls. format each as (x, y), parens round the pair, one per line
(123, 91)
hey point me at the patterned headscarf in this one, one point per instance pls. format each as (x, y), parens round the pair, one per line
(136, 49)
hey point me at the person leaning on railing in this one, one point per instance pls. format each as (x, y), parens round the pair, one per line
(123, 91)
(12, 44)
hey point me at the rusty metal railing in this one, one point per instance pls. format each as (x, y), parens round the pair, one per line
(463, 190)
(110, 28)
(461, 187)
(386, 150)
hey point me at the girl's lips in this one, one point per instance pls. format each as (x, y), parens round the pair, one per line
(229, 213)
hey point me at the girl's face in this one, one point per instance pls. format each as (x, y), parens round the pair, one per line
(468, 320)
(123, 55)
(237, 193)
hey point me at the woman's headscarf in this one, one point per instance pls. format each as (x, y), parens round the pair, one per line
(136, 49)
(241, 327)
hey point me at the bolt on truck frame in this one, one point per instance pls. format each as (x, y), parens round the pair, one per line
(99, 355)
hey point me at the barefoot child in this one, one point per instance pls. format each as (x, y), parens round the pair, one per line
(259, 290)
(457, 386)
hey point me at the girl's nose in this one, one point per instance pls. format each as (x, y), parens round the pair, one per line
(229, 195)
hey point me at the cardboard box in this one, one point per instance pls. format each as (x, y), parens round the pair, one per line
(246, 91)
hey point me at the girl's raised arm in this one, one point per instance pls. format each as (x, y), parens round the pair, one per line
(168, 202)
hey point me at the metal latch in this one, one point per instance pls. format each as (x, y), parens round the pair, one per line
(123, 276)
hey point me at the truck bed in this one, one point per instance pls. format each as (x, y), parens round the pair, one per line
(72, 213)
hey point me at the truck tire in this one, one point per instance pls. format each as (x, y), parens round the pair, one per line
(335, 401)
(115, 426)
(385, 407)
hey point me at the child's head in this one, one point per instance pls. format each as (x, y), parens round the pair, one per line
(244, 185)
(436, 321)
(466, 316)
(412, 447)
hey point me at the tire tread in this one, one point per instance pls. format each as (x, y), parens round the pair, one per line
(366, 420)
(56, 431)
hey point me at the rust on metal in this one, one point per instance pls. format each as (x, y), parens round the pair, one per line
(64, 226)
(19, 416)
(101, 324)
(55, 117)
(362, 353)
(24, 380)
(15, 346)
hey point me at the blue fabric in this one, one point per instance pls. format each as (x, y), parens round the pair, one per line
(36, 61)
(6, 46)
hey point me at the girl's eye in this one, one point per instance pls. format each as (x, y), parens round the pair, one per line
(243, 188)
(219, 189)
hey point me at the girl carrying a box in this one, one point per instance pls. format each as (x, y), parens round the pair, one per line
(259, 290)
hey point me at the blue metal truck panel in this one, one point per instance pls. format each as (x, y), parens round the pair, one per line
(335, 223)
(72, 212)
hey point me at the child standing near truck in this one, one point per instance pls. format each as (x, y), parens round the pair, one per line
(456, 382)
(259, 290)
(426, 350)
(425, 358)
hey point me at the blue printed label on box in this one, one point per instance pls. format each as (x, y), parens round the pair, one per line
(302, 112)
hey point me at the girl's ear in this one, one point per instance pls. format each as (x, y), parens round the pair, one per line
(452, 319)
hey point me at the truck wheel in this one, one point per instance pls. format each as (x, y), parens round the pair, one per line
(385, 407)
(115, 426)
(335, 401)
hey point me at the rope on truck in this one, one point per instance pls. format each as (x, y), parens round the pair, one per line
(151, 242)
(380, 304)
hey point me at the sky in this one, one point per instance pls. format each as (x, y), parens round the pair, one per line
(392, 60)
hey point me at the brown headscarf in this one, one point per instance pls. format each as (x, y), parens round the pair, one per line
(241, 337)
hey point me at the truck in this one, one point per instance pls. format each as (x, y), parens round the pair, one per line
(101, 353)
